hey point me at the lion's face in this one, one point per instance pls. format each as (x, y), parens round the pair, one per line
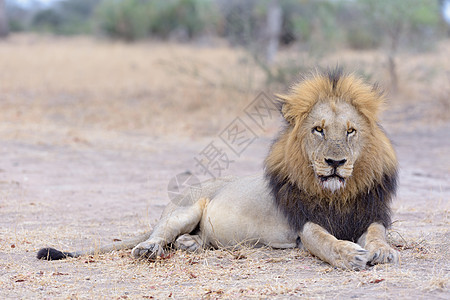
(333, 135)
(332, 146)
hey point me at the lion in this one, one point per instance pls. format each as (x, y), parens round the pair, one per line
(327, 185)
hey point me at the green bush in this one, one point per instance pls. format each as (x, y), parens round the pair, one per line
(192, 16)
(408, 23)
(16, 25)
(136, 19)
(47, 19)
(129, 20)
(362, 38)
(66, 17)
(312, 23)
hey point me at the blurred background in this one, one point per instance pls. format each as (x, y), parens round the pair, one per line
(167, 67)
(104, 102)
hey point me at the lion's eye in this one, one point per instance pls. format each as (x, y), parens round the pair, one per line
(318, 129)
(350, 131)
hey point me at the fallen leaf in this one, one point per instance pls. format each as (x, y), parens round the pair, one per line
(376, 280)
(163, 256)
(239, 255)
(89, 261)
(218, 292)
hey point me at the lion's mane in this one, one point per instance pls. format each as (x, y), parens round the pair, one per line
(367, 195)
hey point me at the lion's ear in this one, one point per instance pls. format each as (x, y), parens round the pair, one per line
(282, 102)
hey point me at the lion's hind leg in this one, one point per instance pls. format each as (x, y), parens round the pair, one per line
(188, 242)
(181, 221)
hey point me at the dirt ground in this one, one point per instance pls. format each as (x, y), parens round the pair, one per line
(91, 132)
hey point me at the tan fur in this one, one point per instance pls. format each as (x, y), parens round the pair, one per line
(330, 120)
(374, 240)
(286, 157)
(339, 253)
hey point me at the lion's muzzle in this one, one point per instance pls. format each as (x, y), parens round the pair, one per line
(333, 173)
(335, 163)
(332, 182)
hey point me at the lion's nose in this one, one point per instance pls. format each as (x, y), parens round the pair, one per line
(335, 163)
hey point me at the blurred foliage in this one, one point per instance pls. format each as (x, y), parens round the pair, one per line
(404, 22)
(308, 26)
(129, 20)
(314, 25)
(411, 24)
(311, 22)
(65, 17)
(307, 22)
(136, 19)
(362, 39)
(285, 72)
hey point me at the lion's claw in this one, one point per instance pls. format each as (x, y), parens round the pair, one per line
(147, 250)
(374, 257)
(382, 253)
(350, 256)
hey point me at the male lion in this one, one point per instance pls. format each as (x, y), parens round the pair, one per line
(328, 182)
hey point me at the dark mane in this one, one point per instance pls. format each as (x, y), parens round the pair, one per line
(366, 198)
(347, 224)
(334, 75)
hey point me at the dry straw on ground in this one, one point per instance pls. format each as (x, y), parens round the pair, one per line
(92, 131)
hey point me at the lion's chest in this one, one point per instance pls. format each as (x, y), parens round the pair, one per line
(346, 222)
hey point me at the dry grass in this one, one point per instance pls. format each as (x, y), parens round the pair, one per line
(77, 84)
(91, 132)
(81, 83)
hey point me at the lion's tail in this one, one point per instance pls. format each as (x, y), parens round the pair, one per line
(53, 254)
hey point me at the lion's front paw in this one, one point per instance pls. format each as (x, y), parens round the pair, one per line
(147, 250)
(349, 255)
(381, 252)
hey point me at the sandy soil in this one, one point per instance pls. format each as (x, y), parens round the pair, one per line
(71, 178)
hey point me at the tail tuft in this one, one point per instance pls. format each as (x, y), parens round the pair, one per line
(52, 254)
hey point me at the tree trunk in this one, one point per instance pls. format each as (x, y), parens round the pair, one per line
(4, 28)
(394, 35)
(274, 23)
(393, 73)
